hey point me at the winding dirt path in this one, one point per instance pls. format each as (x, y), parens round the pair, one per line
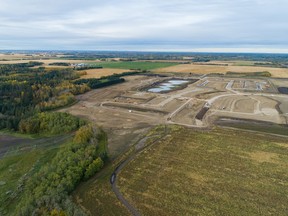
(140, 146)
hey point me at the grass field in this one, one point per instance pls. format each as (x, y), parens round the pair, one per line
(221, 172)
(14, 170)
(25, 157)
(135, 65)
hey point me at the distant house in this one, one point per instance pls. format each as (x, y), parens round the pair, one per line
(79, 65)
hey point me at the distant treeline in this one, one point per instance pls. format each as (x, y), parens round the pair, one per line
(6, 69)
(88, 67)
(60, 64)
(95, 83)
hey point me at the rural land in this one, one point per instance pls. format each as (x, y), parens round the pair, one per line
(143, 133)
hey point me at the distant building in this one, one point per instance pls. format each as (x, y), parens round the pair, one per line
(79, 65)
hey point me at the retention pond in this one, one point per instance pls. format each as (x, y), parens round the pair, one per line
(167, 86)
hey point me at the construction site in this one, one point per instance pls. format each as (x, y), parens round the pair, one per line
(128, 110)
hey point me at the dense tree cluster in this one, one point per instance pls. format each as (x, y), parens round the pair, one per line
(88, 67)
(106, 80)
(50, 123)
(60, 64)
(47, 193)
(21, 68)
(25, 91)
(99, 83)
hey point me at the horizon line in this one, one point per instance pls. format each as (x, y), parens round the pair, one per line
(144, 51)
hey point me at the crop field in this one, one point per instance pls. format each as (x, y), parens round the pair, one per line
(208, 69)
(135, 65)
(209, 173)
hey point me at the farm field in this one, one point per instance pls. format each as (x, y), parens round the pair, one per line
(45, 61)
(135, 65)
(138, 65)
(208, 69)
(209, 173)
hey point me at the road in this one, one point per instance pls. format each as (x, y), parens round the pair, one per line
(120, 197)
(140, 146)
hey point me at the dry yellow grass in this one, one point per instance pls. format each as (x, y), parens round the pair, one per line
(207, 69)
(262, 157)
(45, 61)
(97, 73)
(15, 56)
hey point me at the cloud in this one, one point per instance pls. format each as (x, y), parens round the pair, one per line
(146, 24)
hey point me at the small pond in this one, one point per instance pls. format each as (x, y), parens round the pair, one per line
(167, 86)
(283, 90)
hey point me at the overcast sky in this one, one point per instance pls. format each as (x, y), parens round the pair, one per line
(154, 25)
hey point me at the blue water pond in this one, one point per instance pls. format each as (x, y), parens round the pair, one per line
(167, 86)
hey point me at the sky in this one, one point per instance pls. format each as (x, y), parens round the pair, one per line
(145, 25)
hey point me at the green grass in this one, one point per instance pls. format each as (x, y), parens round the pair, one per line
(13, 169)
(244, 63)
(20, 163)
(17, 134)
(135, 65)
(219, 172)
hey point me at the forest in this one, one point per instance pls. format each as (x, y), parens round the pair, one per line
(47, 192)
(26, 91)
(29, 97)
